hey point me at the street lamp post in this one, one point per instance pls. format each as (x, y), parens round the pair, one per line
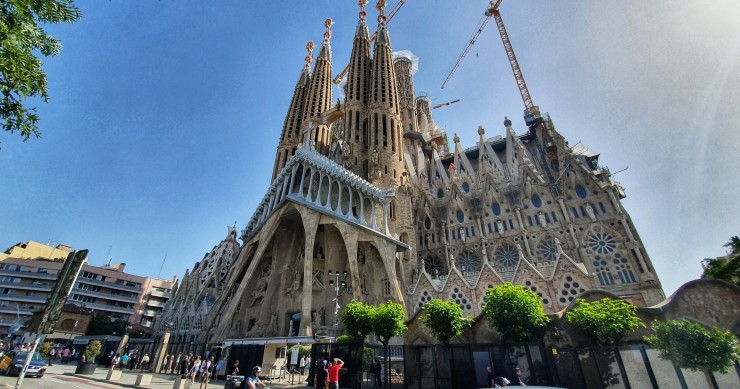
(338, 283)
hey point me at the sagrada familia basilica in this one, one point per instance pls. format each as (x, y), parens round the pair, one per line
(369, 201)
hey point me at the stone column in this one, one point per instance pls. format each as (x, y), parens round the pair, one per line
(158, 356)
(310, 225)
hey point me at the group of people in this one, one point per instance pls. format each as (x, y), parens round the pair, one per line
(129, 359)
(327, 374)
(499, 382)
(64, 355)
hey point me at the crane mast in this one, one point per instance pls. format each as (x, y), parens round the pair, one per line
(529, 107)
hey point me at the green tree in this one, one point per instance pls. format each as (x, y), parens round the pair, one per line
(725, 268)
(387, 322)
(92, 351)
(514, 311)
(21, 76)
(100, 324)
(444, 319)
(45, 347)
(691, 346)
(357, 319)
(604, 321)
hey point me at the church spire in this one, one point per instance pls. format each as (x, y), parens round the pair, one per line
(319, 97)
(386, 162)
(290, 137)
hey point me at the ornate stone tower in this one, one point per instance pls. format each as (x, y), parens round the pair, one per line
(290, 137)
(356, 91)
(319, 96)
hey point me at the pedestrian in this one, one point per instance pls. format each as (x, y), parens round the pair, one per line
(320, 377)
(501, 382)
(145, 362)
(52, 352)
(182, 369)
(114, 361)
(132, 360)
(195, 369)
(334, 368)
(65, 355)
(308, 363)
(163, 368)
(234, 369)
(518, 380)
(377, 371)
(206, 372)
(124, 361)
(301, 365)
(491, 377)
(176, 365)
(220, 368)
(253, 381)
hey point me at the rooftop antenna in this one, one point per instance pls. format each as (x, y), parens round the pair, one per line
(160, 268)
(107, 255)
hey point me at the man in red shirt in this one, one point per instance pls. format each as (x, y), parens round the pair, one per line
(334, 373)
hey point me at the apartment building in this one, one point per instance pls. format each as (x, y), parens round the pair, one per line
(25, 285)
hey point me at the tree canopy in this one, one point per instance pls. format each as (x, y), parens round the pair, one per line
(358, 320)
(21, 76)
(388, 321)
(514, 311)
(100, 324)
(604, 321)
(444, 319)
(691, 346)
(725, 268)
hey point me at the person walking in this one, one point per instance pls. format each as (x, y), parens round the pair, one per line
(124, 361)
(334, 367)
(302, 365)
(182, 368)
(195, 369)
(234, 369)
(206, 372)
(320, 375)
(145, 362)
(114, 361)
(377, 371)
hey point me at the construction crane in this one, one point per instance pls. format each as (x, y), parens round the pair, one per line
(529, 107)
(445, 104)
(338, 79)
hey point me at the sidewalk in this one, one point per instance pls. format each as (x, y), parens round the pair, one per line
(159, 381)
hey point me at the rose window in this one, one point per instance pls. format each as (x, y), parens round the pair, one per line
(549, 250)
(602, 243)
(468, 262)
(434, 265)
(507, 256)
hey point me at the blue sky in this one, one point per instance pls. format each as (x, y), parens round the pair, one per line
(165, 115)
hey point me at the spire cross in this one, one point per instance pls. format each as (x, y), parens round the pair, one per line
(309, 57)
(327, 35)
(380, 6)
(362, 4)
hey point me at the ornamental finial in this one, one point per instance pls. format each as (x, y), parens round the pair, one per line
(380, 6)
(327, 35)
(309, 57)
(362, 4)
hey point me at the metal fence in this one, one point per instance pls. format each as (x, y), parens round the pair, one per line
(464, 366)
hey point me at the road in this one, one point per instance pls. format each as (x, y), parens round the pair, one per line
(60, 376)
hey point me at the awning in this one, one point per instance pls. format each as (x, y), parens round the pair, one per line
(277, 340)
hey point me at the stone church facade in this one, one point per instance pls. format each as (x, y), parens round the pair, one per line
(367, 203)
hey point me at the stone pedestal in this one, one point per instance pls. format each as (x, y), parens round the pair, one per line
(143, 379)
(114, 375)
(181, 383)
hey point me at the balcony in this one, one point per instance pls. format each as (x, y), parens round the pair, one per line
(156, 303)
(29, 274)
(111, 285)
(19, 311)
(150, 312)
(108, 308)
(107, 296)
(18, 297)
(26, 286)
(156, 293)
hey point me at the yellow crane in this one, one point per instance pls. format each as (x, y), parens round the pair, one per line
(338, 79)
(493, 10)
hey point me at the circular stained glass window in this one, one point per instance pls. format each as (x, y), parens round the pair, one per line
(507, 256)
(433, 265)
(536, 201)
(496, 209)
(581, 191)
(468, 261)
(549, 250)
(602, 243)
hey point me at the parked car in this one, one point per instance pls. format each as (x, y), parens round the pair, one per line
(12, 362)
